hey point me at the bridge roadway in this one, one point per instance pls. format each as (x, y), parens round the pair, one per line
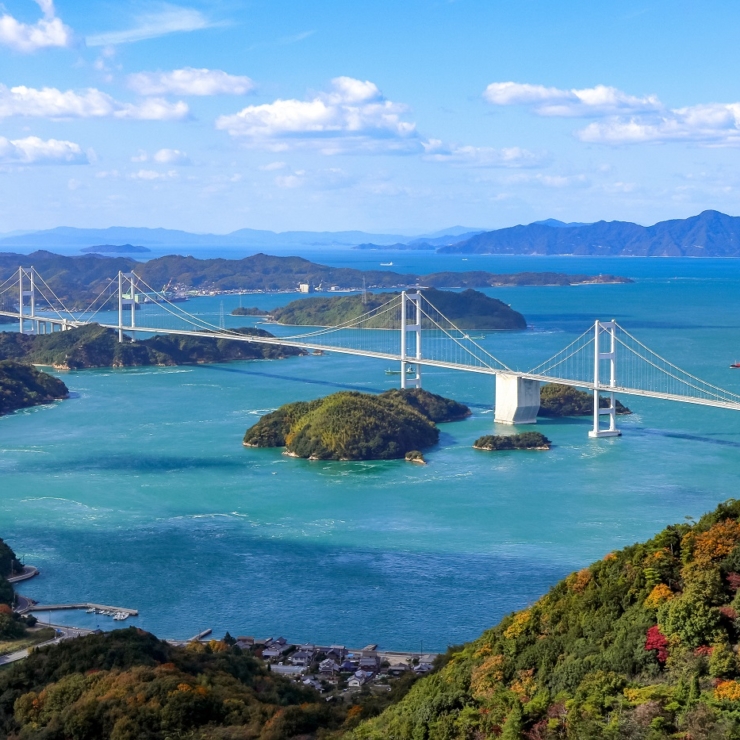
(482, 370)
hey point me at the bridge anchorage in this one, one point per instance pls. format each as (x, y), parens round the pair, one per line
(408, 329)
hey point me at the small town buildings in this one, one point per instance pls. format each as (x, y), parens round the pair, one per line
(329, 666)
(398, 669)
(305, 288)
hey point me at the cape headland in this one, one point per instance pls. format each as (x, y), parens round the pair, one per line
(95, 346)
(23, 386)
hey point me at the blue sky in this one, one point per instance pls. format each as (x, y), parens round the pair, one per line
(384, 116)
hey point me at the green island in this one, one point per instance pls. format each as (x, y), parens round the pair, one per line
(469, 310)
(77, 280)
(22, 386)
(523, 441)
(95, 346)
(357, 426)
(244, 311)
(640, 645)
(558, 400)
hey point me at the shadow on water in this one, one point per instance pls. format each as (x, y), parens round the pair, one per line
(140, 463)
(708, 439)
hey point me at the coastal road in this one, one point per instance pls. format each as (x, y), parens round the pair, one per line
(63, 633)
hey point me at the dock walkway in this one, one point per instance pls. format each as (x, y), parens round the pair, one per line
(85, 605)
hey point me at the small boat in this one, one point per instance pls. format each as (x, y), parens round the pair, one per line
(91, 610)
(409, 371)
(120, 616)
(735, 365)
(475, 336)
(386, 264)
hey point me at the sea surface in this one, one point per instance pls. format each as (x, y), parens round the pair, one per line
(137, 491)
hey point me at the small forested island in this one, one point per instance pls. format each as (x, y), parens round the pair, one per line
(357, 426)
(469, 310)
(95, 346)
(558, 400)
(523, 441)
(22, 386)
(243, 311)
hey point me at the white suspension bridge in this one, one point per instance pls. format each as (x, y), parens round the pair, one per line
(606, 359)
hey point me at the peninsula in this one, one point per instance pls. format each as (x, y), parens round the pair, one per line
(357, 426)
(95, 346)
(78, 280)
(469, 310)
(22, 386)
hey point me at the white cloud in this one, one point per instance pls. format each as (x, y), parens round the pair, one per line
(170, 19)
(587, 102)
(48, 31)
(153, 175)
(352, 111)
(33, 150)
(481, 156)
(189, 81)
(49, 102)
(272, 166)
(172, 156)
(713, 124)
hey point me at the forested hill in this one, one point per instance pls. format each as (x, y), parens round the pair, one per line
(77, 280)
(710, 234)
(642, 644)
(469, 310)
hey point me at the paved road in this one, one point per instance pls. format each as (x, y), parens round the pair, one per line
(63, 633)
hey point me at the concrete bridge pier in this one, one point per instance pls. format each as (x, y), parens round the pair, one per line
(517, 400)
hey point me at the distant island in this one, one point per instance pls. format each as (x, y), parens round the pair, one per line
(78, 280)
(468, 310)
(357, 426)
(240, 311)
(94, 346)
(115, 249)
(710, 234)
(558, 400)
(22, 386)
(523, 441)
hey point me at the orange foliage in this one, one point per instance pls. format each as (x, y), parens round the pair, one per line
(5, 609)
(524, 686)
(518, 625)
(728, 690)
(717, 542)
(486, 677)
(660, 594)
(579, 581)
(610, 556)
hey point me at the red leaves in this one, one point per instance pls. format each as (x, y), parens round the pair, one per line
(728, 612)
(733, 581)
(656, 640)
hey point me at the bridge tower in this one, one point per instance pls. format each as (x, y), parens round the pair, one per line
(24, 293)
(410, 338)
(126, 299)
(608, 328)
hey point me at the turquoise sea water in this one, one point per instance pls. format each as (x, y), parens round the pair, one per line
(137, 491)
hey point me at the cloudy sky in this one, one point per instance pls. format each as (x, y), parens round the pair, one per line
(379, 115)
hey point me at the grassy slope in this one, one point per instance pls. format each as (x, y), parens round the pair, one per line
(642, 644)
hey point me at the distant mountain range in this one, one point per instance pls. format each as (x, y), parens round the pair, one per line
(710, 234)
(69, 237)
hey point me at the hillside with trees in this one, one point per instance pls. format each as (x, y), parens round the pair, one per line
(469, 310)
(95, 346)
(356, 426)
(641, 644)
